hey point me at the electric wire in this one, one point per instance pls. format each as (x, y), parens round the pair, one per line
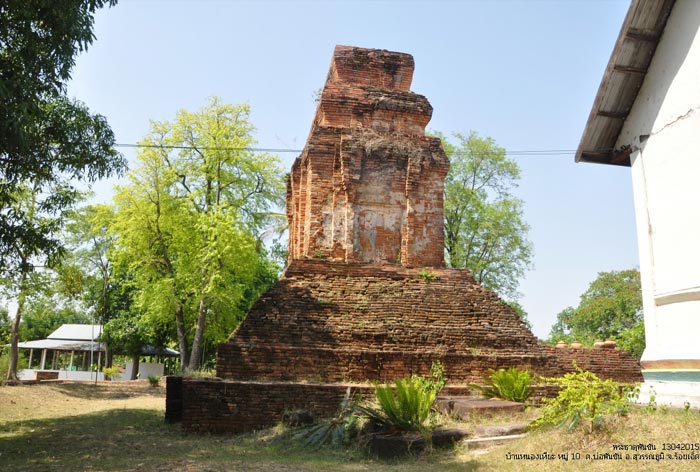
(530, 152)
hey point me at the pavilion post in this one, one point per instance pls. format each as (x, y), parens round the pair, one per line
(43, 359)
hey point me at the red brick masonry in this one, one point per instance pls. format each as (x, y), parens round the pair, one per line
(334, 322)
(364, 202)
(368, 186)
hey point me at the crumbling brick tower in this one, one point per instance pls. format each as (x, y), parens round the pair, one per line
(365, 209)
(368, 186)
(365, 295)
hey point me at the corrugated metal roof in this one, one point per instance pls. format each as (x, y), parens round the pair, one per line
(623, 77)
(80, 337)
(62, 345)
(78, 332)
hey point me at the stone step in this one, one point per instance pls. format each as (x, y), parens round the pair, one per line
(464, 407)
(478, 443)
(389, 446)
(508, 429)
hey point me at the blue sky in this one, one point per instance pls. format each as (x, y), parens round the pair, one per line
(523, 72)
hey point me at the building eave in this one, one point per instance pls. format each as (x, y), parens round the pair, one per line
(633, 52)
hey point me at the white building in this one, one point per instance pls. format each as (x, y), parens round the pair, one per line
(646, 115)
(73, 352)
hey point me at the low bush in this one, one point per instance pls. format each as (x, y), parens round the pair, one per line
(436, 381)
(404, 407)
(583, 399)
(153, 380)
(509, 384)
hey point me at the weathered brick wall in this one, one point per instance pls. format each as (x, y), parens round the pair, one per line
(46, 375)
(365, 195)
(219, 406)
(333, 321)
(368, 186)
(173, 399)
(614, 364)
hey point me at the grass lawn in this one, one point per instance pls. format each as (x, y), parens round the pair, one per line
(119, 426)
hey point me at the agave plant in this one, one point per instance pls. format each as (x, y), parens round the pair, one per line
(509, 384)
(332, 431)
(405, 407)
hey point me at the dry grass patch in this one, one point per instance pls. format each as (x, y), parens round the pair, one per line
(59, 399)
(120, 427)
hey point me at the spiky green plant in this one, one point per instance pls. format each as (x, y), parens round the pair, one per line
(509, 384)
(333, 431)
(404, 407)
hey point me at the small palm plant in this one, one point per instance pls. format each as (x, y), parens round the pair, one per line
(509, 384)
(405, 407)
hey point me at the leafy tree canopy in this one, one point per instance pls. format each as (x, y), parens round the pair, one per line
(485, 231)
(47, 140)
(610, 308)
(188, 221)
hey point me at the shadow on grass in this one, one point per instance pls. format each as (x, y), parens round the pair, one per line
(110, 440)
(138, 439)
(112, 391)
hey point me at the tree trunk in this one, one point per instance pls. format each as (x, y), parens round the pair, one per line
(198, 335)
(181, 336)
(14, 340)
(14, 350)
(135, 367)
(109, 355)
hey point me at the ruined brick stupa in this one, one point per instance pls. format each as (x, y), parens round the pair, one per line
(365, 210)
(365, 295)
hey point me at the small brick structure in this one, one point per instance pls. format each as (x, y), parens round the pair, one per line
(46, 375)
(365, 296)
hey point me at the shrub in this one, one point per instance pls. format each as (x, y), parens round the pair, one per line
(436, 381)
(199, 373)
(583, 398)
(111, 373)
(509, 384)
(406, 407)
(428, 275)
(153, 380)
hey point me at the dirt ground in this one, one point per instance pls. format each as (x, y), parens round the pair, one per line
(58, 399)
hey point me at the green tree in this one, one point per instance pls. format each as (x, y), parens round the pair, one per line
(610, 308)
(5, 327)
(24, 281)
(128, 332)
(47, 141)
(188, 221)
(43, 316)
(484, 227)
(88, 261)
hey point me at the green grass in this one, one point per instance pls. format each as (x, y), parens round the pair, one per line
(103, 427)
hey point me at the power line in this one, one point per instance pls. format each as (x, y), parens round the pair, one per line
(531, 152)
(205, 148)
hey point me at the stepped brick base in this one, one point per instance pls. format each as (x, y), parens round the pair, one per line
(327, 323)
(330, 321)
